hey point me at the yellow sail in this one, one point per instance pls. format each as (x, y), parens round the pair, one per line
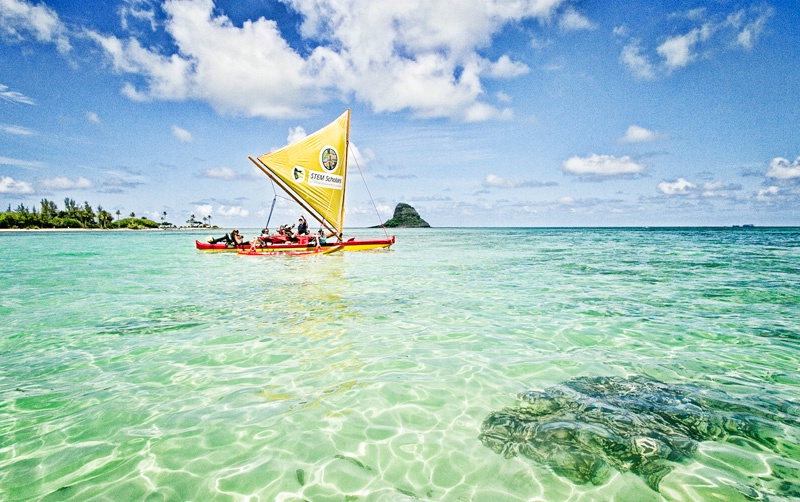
(315, 169)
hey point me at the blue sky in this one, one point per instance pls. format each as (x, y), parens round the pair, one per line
(476, 112)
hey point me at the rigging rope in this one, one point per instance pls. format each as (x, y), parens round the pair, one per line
(352, 153)
(274, 199)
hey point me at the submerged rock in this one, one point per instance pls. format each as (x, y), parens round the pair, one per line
(587, 426)
(407, 217)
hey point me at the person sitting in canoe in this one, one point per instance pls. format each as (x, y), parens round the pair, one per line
(231, 240)
(260, 241)
(320, 238)
(302, 226)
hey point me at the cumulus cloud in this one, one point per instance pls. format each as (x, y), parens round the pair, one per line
(64, 183)
(637, 63)
(638, 134)
(359, 158)
(232, 211)
(7, 94)
(678, 187)
(295, 134)
(678, 51)
(602, 165)
(93, 117)
(204, 209)
(18, 19)
(504, 67)
(11, 186)
(181, 134)
(394, 56)
(16, 130)
(782, 169)
(767, 194)
(572, 20)
(710, 189)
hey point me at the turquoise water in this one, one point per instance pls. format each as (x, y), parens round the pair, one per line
(133, 367)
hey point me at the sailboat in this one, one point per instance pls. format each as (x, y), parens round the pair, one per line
(313, 172)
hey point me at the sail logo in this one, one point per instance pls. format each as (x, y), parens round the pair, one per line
(318, 179)
(299, 174)
(329, 159)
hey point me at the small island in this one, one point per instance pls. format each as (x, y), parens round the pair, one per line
(405, 216)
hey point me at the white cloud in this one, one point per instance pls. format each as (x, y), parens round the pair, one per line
(360, 159)
(572, 20)
(636, 62)
(181, 135)
(16, 130)
(295, 135)
(204, 209)
(711, 34)
(93, 117)
(9, 185)
(64, 183)
(750, 29)
(137, 10)
(602, 165)
(14, 96)
(767, 194)
(492, 180)
(505, 68)
(18, 18)
(422, 57)
(20, 163)
(222, 173)
(678, 51)
(679, 187)
(232, 211)
(782, 169)
(638, 134)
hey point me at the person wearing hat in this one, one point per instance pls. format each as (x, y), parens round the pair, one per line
(231, 239)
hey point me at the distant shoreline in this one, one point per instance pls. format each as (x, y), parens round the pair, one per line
(97, 229)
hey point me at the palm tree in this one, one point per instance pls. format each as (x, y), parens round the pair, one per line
(118, 215)
(133, 215)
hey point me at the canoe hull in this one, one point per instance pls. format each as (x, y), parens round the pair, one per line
(350, 245)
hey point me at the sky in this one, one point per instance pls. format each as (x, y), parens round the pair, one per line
(535, 113)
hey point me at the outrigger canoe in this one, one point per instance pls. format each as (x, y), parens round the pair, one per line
(352, 244)
(313, 173)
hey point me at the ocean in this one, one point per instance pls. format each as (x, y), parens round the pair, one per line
(470, 364)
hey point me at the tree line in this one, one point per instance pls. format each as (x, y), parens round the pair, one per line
(48, 215)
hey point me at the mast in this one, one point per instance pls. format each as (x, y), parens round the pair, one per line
(346, 164)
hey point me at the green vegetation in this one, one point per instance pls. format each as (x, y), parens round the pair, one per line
(72, 216)
(407, 217)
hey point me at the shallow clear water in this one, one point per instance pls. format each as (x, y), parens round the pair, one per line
(133, 366)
